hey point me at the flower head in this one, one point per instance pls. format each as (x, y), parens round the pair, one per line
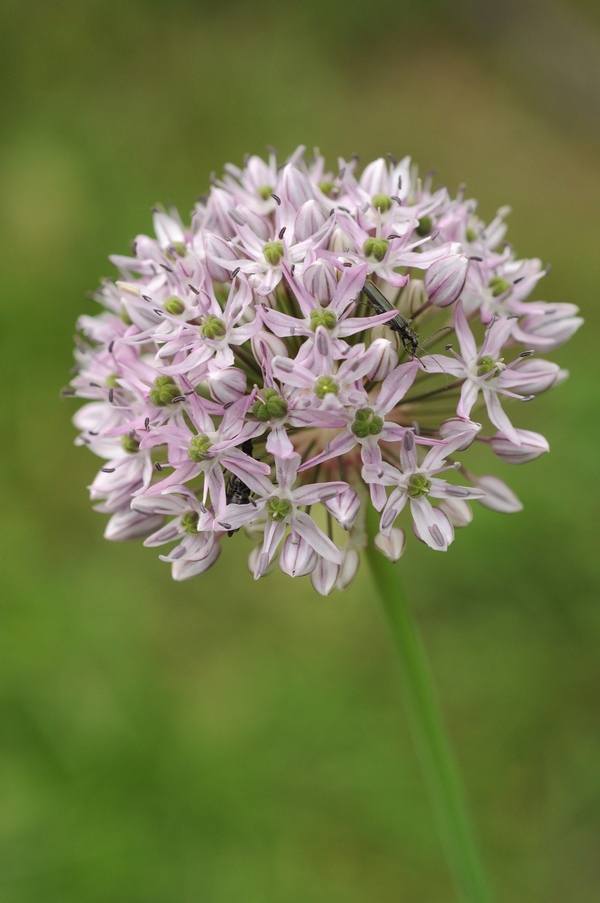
(239, 377)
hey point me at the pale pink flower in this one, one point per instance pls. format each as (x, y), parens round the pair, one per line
(238, 377)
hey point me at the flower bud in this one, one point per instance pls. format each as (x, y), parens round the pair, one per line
(184, 568)
(348, 568)
(344, 507)
(375, 178)
(168, 230)
(295, 186)
(391, 546)
(497, 496)
(319, 279)
(125, 525)
(226, 385)
(439, 533)
(445, 279)
(458, 511)
(217, 212)
(387, 359)
(549, 330)
(324, 576)
(531, 377)
(218, 247)
(339, 241)
(258, 565)
(452, 427)
(309, 218)
(269, 345)
(257, 223)
(532, 446)
(297, 557)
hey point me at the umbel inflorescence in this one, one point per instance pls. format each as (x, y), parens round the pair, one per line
(265, 368)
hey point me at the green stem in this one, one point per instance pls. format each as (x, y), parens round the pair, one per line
(437, 762)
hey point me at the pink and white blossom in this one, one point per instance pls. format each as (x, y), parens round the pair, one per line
(237, 377)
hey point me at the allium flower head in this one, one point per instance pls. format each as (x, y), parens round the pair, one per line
(238, 376)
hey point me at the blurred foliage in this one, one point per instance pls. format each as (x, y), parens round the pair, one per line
(222, 740)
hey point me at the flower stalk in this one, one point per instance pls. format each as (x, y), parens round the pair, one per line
(433, 749)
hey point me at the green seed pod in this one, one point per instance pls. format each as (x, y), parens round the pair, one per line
(381, 202)
(163, 392)
(198, 447)
(418, 485)
(498, 286)
(324, 385)
(213, 327)
(376, 248)
(277, 407)
(129, 444)
(174, 305)
(265, 191)
(278, 509)
(325, 318)
(260, 411)
(273, 251)
(366, 423)
(424, 227)
(189, 522)
(485, 365)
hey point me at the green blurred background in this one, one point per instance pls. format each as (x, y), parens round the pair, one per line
(222, 741)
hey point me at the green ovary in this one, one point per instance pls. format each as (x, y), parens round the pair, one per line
(325, 385)
(366, 423)
(424, 227)
(485, 365)
(174, 306)
(274, 407)
(381, 202)
(129, 444)
(198, 447)
(278, 509)
(164, 390)
(376, 248)
(189, 522)
(498, 286)
(212, 327)
(273, 251)
(418, 485)
(325, 318)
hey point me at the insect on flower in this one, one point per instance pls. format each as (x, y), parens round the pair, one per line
(237, 493)
(410, 339)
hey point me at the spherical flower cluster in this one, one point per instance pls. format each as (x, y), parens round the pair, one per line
(265, 368)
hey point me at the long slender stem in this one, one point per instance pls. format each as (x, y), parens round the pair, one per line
(437, 762)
